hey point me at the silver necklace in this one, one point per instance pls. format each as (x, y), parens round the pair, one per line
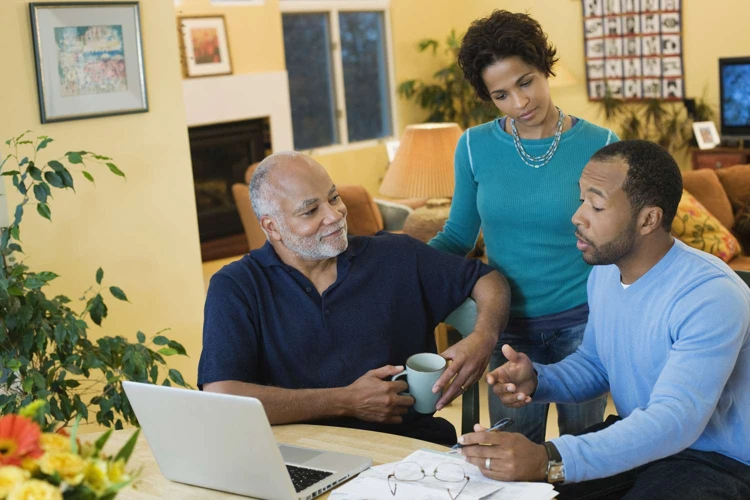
(542, 160)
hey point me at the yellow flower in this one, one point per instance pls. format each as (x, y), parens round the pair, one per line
(69, 466)
(96, 475)
(10, 477)
(31, 409)
(55, 442)
(35, 489)
(117, 471)
(30, 465)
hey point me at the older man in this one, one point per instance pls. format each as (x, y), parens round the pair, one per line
(668, 334)
(315, 323)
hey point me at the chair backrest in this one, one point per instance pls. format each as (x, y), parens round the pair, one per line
(745, 275)
(463, 320)
(256, 238)
(363, 217)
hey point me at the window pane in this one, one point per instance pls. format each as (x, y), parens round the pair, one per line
(368, 108)
(308, 65)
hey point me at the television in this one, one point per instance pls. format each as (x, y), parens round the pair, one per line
(734, 85)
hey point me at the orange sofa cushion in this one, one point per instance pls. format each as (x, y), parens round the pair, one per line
(697, 227)
(736, 182)
(704, 184)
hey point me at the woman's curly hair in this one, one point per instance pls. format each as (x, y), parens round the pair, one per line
(504, 34)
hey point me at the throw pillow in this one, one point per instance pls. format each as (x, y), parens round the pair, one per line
(695, 226)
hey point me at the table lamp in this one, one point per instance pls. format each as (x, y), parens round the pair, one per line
(423, 168)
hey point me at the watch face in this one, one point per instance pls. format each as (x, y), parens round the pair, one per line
(556, 473)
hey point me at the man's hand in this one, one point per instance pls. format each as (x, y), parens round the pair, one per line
(468, 359)
(374, 398)
(512, 456)
(514, 381)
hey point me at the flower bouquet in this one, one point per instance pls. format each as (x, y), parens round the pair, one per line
(37, 465)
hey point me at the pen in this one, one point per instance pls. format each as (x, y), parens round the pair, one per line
(499, 425)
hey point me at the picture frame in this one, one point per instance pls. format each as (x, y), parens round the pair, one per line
(706, 135)
(204, 46)
(89, 59)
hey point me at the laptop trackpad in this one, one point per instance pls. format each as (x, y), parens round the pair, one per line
(295, 455)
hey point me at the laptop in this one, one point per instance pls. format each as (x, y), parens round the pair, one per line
(225, 443)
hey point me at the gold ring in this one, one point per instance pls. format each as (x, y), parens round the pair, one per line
(463, 389)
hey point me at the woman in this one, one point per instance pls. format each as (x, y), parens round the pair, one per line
(517, 179)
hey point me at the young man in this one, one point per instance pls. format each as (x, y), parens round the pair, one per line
(314, 324)
(668, 335)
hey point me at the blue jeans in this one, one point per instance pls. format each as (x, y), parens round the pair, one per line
(544, 347)
(687, 475)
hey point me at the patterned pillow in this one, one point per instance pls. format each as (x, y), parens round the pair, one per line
(695, 226)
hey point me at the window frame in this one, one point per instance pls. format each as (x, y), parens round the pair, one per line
(333, 8)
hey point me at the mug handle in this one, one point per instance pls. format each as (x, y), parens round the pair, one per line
(395, 377)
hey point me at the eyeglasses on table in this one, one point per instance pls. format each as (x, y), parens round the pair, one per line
(451, 474)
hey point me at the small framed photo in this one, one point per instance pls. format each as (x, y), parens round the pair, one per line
(89, 59)
(205, 50)
(706, 135)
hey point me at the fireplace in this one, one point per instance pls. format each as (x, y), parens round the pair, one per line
(220, 154)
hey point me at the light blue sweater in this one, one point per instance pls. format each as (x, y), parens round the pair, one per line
(524, 212)
(674, 350)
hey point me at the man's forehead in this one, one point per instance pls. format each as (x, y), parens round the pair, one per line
(608, 174)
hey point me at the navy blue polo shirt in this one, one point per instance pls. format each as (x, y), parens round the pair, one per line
(266, 323)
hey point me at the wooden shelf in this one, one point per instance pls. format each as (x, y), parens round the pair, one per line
(720, 157)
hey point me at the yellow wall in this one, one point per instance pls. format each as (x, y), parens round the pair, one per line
(254, 33)
(142, 231)
(711, 30)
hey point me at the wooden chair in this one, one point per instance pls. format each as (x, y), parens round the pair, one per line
(463, 320)
(256, 238)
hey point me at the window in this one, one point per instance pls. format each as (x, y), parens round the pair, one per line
(340, 76)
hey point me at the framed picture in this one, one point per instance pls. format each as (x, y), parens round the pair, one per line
(205, 50)
(89, 59)
(706, 135)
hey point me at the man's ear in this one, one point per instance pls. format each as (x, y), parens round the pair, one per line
(270, 226)
(650, 219)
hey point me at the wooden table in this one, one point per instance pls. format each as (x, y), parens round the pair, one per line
(382, 448)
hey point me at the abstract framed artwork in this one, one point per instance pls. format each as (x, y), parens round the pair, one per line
(634, 49)
(89, 59)
(205, 50)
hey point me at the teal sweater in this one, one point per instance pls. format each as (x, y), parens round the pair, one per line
(524, 213)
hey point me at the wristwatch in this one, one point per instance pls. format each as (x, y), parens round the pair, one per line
(555, 467)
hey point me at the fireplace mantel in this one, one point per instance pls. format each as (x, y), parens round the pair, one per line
(218, 99)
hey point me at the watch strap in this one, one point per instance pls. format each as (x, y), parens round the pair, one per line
(553, 455)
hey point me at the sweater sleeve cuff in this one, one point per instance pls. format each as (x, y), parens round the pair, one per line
(562, 445)
(543, 393)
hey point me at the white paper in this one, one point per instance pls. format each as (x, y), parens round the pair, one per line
(372, 484)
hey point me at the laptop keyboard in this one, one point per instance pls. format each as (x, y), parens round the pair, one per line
(303, 478)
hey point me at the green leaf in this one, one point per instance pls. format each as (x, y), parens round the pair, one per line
(167, 351)
(40, 193)
(34, 172)
(11, 172)
(45, 140)
(99, 275)
(97, 309)
(176, 377)
(167, 382)
(127, 450)
(23, 161)
(15, 291)
(99, 443)
(177, 347)
(46, 275)
(87, 175)
(74, 157)
(44, 211)
(118, 293)
(141, 337)
(56, 165)
(113, 168)
(39, 381)
(161, 340)
(15, 232)
(18, 215)
(54, 179)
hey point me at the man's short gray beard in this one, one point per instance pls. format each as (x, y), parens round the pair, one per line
(321, 251)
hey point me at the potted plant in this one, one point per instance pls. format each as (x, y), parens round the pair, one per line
(450, 98)
(46, 353)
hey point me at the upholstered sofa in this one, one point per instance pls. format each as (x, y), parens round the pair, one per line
(725, 193)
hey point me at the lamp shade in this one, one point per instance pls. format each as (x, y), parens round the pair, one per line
(562, 78)
(423, 165)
